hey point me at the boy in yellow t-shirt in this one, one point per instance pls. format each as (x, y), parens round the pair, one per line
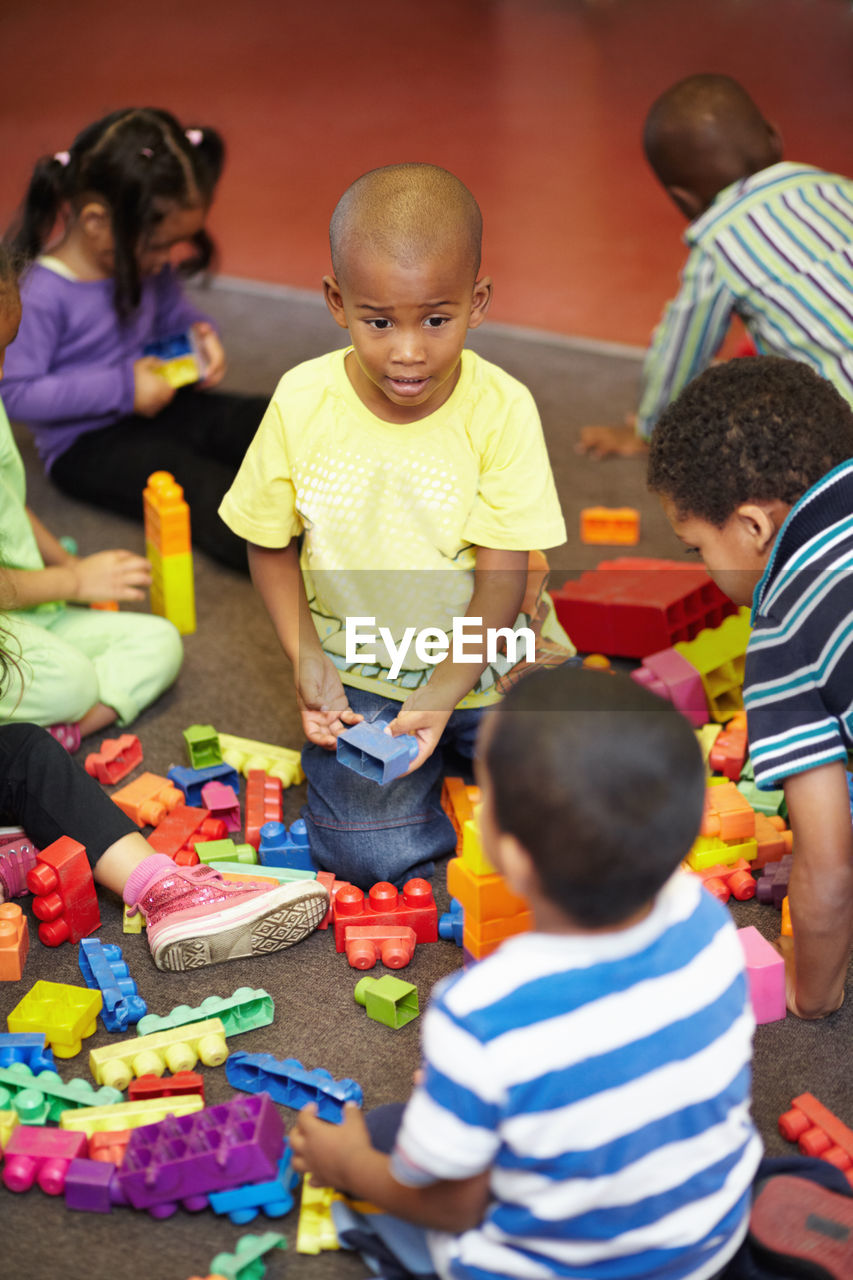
(418, 477)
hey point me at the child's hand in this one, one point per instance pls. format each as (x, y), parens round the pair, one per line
(111, 575)
(329, 1152)
(212, 353)
(322, 701)
(151, 391)
(424, 721)
(605, 442)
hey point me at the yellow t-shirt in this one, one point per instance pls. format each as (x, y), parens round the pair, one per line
(392, 514)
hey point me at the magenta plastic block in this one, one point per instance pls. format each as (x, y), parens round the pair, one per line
(291, 1084)
(90, 1186)
(40, 1155)
(765, 970)
(223, 802)
(183, 1158)
(671, 676)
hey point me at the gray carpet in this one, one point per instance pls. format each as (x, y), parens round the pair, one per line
(235, 678)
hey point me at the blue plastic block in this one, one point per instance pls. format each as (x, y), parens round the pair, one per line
(103, 968)
(275, 1198)
(171, 348)
(368, 750)
(28, 1047)
(452, 923)
(278, 848)
(290, 1084)
(191, 781)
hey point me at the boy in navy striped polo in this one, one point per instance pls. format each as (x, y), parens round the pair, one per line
(770, 241)
(583, 1109)
(754, 466)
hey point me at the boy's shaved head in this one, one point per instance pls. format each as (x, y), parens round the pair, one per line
(406, 212)
(704, 133)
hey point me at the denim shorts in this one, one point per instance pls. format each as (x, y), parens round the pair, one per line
(365, 832)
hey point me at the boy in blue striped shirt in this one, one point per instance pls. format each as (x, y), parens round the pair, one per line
(770, 241)
(754, 467)
(583, 1108)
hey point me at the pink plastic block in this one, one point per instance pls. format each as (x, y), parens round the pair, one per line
(223, 803)
(40, 1155)
(765, 970)
(671, 676)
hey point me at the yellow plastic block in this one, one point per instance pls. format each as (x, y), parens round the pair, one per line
(316, 1230)
(718, 654)
(66, 1015)
(166, 514)
(129, 1115)
(173, 588)
(9, 1121)
(180, 371)
(132, 923)
(178, 1049)
(710, 850)
(244, 754)
(472, 850)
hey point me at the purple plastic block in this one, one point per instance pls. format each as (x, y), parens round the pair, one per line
(40, 1155)
(368, 750)
(291, 1084)
(671, 676)
(88, 1186)
(222, 802)
(765, 970)
(181, 1159)
(773, 883)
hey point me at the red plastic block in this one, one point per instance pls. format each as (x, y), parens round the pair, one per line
(40, 1155)
(634, 607)
(392, 944)
(263, 804)
(414, 906)
(181, 829)
(818, 1132)
(116, 759)
(64, 892)
(151, 1086)
(728, 754)
(148, 799)
(723, 881)
(14, 942)
(331, 885)
(109, 1146)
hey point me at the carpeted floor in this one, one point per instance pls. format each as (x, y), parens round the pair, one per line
(235, 678)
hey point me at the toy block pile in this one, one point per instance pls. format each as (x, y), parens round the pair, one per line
(169, 549)
(734, 842)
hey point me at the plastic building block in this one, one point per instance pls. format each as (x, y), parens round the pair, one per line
(331, 885)
(103, 969)
(316, 1231)
(770, 803)
(472, 849)
(773, 883)
(116, 759)
(765, 971)
(132, 923)
(706, 737)
(245, 1262)
(260, 875)
(148, 799)
(28, 1047)
(182, 360)
(178, 1049)
(246, 755)
(289, 1083)
(371, 752)
(393, 944)
(818, 1132)
(263, 803)
(225, 850)
(718, 654)
(223, 803)
(179, 832)
(17, 858)
(414, 906)
(773, 838)
(727, 814)
(40, 1155)
(109, 1147)
(191, 781)
(482, 897)
(634, 607)
(64, 893)
(14, 942)
(458, 801)
(183, 1158)
(724, 882)
(42, 1098)
(274, 1196)
(452, 922)
(89, 1186)
(279, 847)
(610, 526)
(247, 1009)
(168, 548)
(202, 743)
(66, 1015)
(671, 676)
(128, 1115)
(708, 851)
(9, 1121)
(388, 1000)
(728, 754)
(176, 1086)
(482, 937)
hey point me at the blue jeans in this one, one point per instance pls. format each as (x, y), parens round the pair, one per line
(365, 832)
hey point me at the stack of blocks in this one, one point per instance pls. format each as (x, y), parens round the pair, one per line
(168, 547)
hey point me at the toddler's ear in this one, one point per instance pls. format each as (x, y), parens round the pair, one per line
(480, 300)
(335, 301)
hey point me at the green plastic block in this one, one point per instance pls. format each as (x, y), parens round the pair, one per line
(203, 749)
(247, 1009)
(246, 1262)
(42, 1098)
(226, 850)
(278, 875)
(388, 1000)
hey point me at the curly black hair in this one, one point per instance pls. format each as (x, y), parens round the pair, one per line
(756, 428)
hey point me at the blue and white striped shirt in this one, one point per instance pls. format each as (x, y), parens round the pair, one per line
(605, 1082)
(776, 249)
(798, 676)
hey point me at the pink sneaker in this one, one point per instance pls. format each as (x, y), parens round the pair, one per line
(17, 858)
(195, 918)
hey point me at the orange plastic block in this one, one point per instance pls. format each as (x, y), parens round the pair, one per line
(148, 799)
(64, 893)
(263, 804)
(727, 814)
(14, 942)
(109, 1147)
(457, 801)
(116, 759)
(724, 882)
(482, 942)
(482, 897)
(818, 1132)
(729, 752)
(610, 526)
(167, 515)
(773, 838)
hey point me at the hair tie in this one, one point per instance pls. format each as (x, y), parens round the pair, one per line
(63, 158)
(194, 136)
(147, 152)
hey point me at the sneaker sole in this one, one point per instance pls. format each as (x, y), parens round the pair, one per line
(241, 930)
(804, 1228)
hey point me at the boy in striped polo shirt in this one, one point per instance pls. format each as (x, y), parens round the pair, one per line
(754, 467)
(583, 1108)
(770, 241)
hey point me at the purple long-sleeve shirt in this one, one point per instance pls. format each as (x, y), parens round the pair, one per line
(70, 369)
